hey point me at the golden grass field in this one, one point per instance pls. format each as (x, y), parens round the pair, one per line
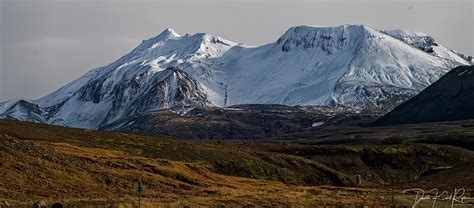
(84, 168)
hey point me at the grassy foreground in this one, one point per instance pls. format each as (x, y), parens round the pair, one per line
(98, 169)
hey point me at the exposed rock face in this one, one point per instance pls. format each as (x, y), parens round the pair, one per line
(102, 100)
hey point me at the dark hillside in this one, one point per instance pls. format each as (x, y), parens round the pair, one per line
(450, 98)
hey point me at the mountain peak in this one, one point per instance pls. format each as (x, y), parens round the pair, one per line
(307, 29)
(329, 39)
(168, 33)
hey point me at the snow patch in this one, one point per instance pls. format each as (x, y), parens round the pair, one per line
(316, 124)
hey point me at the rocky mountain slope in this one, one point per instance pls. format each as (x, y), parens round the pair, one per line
(353, 67)
(255, 121)
(450, 98)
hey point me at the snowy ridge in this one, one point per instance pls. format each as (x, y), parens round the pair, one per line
(429, 45)
(350, 66)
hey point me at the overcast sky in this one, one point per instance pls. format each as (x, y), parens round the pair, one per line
(44, 44)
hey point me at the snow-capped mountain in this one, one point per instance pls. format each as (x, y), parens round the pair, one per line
(351, 66)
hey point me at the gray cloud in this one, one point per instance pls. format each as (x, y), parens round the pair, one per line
(47, 43)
